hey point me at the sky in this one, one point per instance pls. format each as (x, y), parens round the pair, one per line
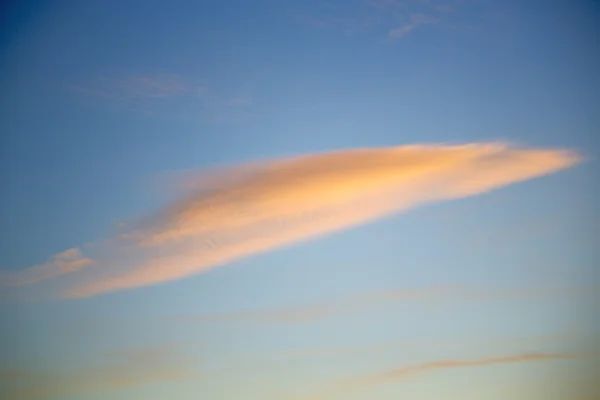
(300, 200)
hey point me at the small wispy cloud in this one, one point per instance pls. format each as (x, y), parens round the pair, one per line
(412, 371)
(392, 346)
(415, 21)
(361, 302)
(125, 370)
(281, 202)
(347, 24)
(137, 87)
(151, 86)
(307, 313)
(150, 92)
(395, 17)
(63, 263)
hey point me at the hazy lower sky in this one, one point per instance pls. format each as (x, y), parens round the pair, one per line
(300, 200)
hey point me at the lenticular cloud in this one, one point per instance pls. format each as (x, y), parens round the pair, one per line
(266, 205)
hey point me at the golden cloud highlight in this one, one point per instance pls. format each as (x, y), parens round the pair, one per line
(280, 202)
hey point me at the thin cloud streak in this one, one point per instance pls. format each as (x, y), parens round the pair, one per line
(63, 263)
(137, 87)
(282, 202)
(302, 314)
(149, 93)
(411, 371)
(410, 346)
(414, 22)
(358, 303)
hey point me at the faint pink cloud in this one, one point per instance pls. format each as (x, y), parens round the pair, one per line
(349, 386)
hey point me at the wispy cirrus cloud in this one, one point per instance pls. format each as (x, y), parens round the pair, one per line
(404, 373)
(138, 87)
(148, 92)
(67, 262)
(124, 370)
(415, 21)
(281, 202)
(394, 17)
(307, 313)
(150, 86)
(365, 301)
(350, 352)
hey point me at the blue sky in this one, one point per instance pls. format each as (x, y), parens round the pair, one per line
(109, 108)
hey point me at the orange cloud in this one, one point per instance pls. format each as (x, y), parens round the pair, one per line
(281, 202)
(404, 373)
